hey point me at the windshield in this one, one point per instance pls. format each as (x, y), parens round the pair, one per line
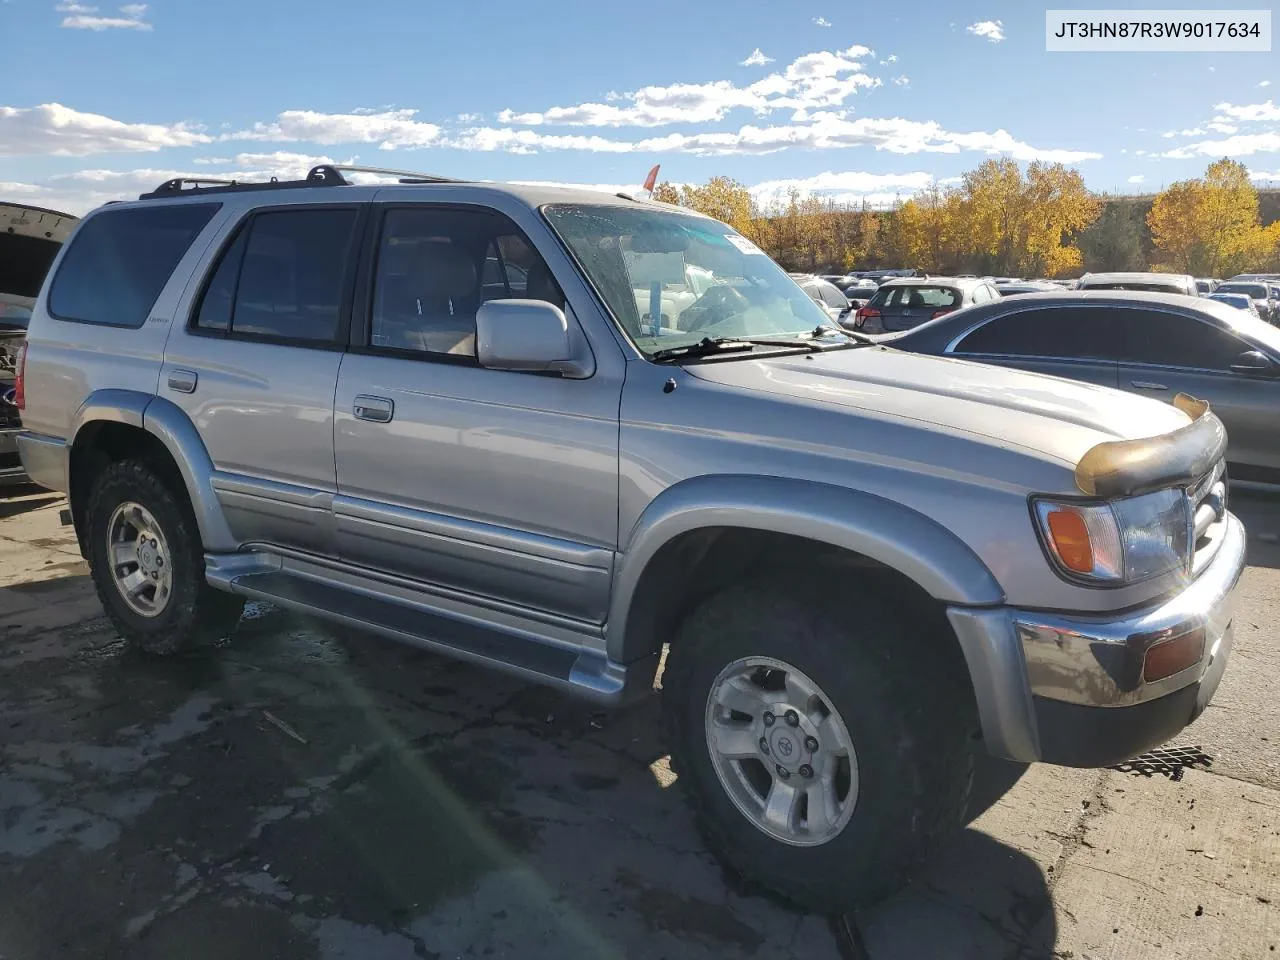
(672, 280)
(1255, 291)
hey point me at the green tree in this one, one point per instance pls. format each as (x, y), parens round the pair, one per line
(1114, 240)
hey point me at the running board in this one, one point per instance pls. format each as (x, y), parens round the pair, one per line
(586, 673)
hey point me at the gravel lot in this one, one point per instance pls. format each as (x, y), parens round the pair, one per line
(308, 792)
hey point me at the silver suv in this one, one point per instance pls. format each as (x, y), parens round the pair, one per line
(607, 444)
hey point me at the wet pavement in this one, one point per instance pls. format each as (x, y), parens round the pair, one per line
(308, 792)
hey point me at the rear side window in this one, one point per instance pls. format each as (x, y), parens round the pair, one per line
(282, 277)
(120, 260)
(1066, 332)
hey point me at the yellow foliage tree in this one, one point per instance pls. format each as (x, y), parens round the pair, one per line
(1210, 227)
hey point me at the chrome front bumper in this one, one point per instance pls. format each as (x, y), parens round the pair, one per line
(1070, 690)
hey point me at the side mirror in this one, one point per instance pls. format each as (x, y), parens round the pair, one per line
(530, 335)
(1254, 362)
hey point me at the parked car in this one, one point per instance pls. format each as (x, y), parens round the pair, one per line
(1158, 345)
(1206, 285)
(1265, 297)
(824, 546)
(1253, 276)
(1017, 289)
(29, 240)
(1149, 282)
(1240, 301)
(828, 296)
(910, 301)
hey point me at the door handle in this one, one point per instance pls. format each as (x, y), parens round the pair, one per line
(1148, 385)
(184, 381)
(374, 409)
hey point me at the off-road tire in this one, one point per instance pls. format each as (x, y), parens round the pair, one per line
(196, 614)
(884, 667)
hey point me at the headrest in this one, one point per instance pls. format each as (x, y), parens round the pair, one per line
(445, 271)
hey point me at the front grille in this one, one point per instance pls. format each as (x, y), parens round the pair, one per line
(1209, 512)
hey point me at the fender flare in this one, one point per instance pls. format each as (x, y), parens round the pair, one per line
(169, 424)
(901, 538)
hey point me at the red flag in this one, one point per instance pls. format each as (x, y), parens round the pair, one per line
(652, 179)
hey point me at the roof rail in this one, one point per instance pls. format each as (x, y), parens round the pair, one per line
(405, 176)
(323, 175)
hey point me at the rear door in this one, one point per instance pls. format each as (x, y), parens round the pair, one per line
(1168, 353)
(256, 365)
(1072, 342)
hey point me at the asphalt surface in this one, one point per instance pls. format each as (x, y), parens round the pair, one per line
(305, 792)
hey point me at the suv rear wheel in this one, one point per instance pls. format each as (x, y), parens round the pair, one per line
(148, 563)
(825, 746)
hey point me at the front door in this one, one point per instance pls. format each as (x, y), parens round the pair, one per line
(499, 485)
(255, 369)
(1168, 354)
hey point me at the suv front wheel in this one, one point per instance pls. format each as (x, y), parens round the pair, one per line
(147, 563)
(823, 740)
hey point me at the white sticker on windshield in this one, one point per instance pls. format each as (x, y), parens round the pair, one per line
(743, 244)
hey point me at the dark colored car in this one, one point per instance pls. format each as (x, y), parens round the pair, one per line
(30, 237)
(1266, 299)
(910, 301)
(1158, 345)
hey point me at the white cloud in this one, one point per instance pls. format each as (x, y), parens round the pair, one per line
(1242, 145)
(1218, 126)
(1264, 83)
(993, 30)
(891, 58)
(52, 129)
(901, 81)
(391, 129)
(845, 187)
(820, 131)
(1192, 132)
(756, 59)
(1213, 69)
(1137, 178)
(1263, 176)
(821, 22)
(811, 82)
(1249, 113)
(10, 188)
(83, 17)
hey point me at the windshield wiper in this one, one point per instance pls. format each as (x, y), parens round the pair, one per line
(822, 330)
(710, 346)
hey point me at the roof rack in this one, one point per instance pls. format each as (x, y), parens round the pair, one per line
(323, 175)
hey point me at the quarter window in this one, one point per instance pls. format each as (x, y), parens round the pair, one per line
(120, 260)
(282, 278)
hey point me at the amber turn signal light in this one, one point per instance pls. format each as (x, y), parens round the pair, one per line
(1168, 657)
(1071, 540)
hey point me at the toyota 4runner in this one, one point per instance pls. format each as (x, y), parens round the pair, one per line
(576, 436)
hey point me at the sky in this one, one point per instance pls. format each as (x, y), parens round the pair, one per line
(102, 101)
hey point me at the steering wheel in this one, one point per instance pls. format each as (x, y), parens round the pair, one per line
(715, 306)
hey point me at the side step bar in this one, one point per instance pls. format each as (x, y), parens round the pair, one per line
(585, 673)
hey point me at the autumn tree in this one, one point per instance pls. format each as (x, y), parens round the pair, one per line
(1114, 240)
(1210, 227)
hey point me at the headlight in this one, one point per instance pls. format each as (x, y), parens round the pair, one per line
(1123, 541)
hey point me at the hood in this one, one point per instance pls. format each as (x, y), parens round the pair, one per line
(30, 238)
(1050, 416)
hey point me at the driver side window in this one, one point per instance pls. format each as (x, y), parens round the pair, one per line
(437, 266)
